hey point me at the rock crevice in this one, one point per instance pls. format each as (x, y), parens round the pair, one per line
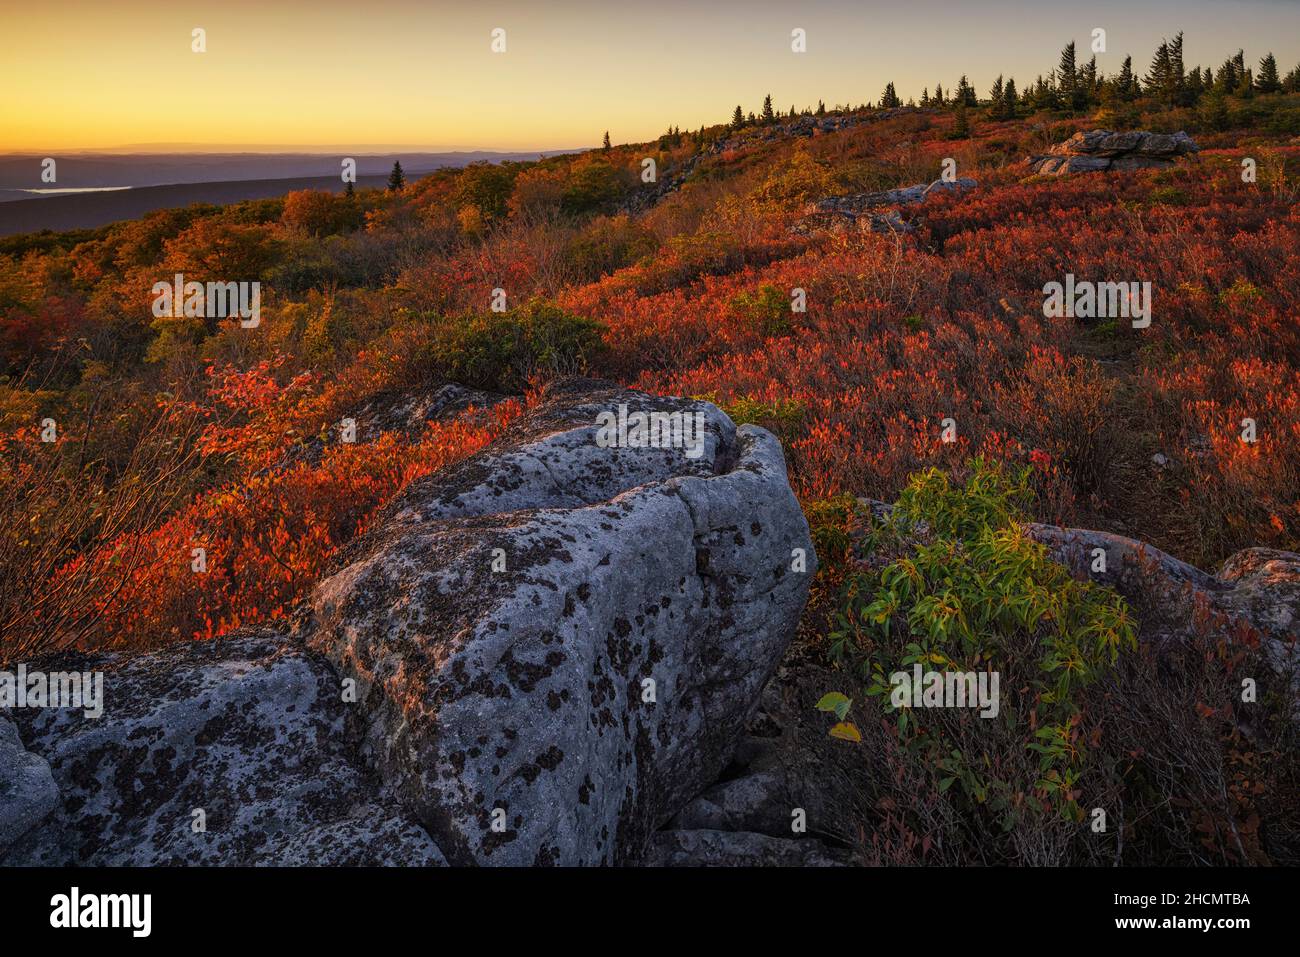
(536, 656)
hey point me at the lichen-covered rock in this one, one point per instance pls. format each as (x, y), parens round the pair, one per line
(1256, 590)
(1059, 165)
(859, 209)
(27, 790)
(1266, 592)
(553, 645)
(249, 733)
(410, 412)
(1097, 150)
(558, 643)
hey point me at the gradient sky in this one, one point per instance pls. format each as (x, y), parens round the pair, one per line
(342, 74)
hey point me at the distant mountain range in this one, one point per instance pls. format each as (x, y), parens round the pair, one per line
(136, 183)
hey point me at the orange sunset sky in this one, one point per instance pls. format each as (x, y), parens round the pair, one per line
(330, 74)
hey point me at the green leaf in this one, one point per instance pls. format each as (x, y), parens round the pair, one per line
(834, 701)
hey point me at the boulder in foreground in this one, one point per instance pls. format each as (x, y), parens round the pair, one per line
(537, 656)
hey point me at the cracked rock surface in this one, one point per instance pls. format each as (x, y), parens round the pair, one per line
(554, 647)
(249, 731)
(558, 644)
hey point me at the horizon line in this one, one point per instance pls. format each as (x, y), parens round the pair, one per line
(364, 149)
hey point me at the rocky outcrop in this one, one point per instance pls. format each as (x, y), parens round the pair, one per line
(538, 656)
(1099, 150)
(804, 125)
(224, 752)
(863, 210)
(406, 413)
(410, 412)
(1256, 590)
(792, 796)
(557, 643)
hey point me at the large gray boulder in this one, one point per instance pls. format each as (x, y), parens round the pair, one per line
(863, 209)
(27, 790)
(537, 656)
(1098, 150)
(1255, 592)
(558, 644)
(225, 752)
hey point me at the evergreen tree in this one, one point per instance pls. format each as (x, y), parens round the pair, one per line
(1126, 87)
(925, 96)
(961, 128)
(889, 100)
(1268, 81)
(1247, 88)
(1010, 100)
(1088, 82)
(768, 115)
(821, 108)
(996, 97)
(1048, 94)
(1177, 84)
(1214, 113)
(396, 179)
(1067, 79)
(1226, 80)
(737, 119)
(1243, 82)
(606, 145)
(1292, 82)
(966, 93)
(938, 95)
(1159, 79)
(349, 190)
(1195, 86)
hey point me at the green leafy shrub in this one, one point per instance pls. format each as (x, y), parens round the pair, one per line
(976, 594)
(767, 309)
(1169, 196)
(502, 351)
(486, 187)
(607, 245)
(782, 417)
(593, 185)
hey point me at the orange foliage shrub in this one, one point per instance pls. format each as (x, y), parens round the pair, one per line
(270, 531)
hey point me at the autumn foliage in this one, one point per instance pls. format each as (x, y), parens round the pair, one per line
(235, 431)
